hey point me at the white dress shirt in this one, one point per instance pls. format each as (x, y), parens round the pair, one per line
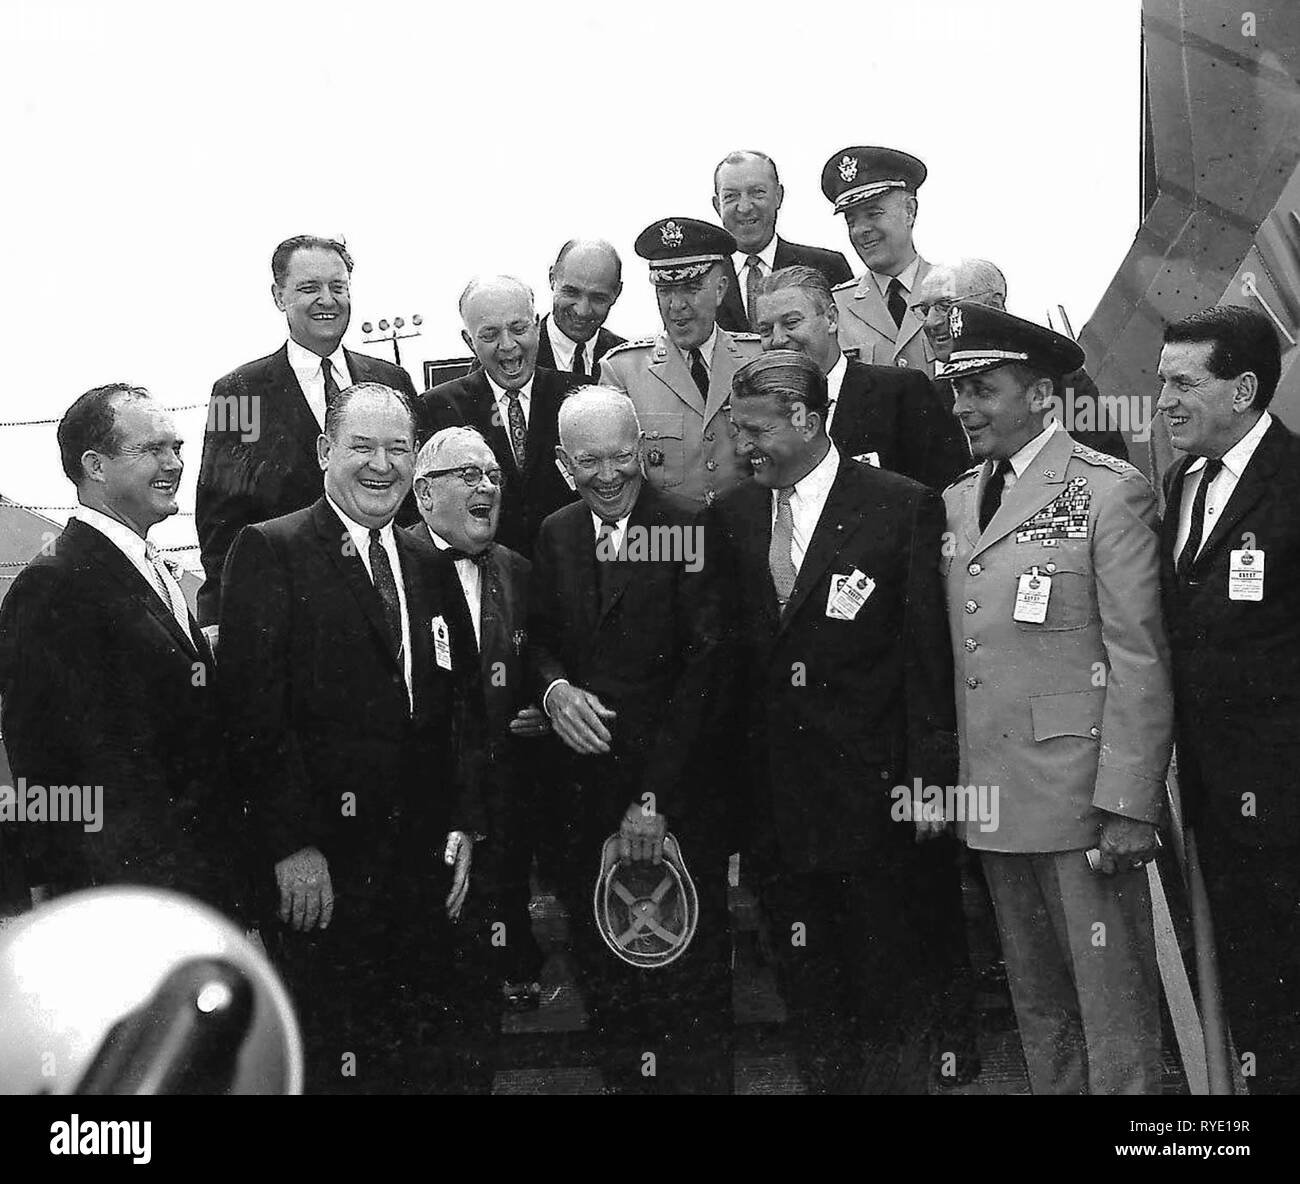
(740, 259)
(1023, 458)
(906, 277)
(360, 536)
(308, 371)
(136, 550)
(563, 348)
(471, 581)
(834, 380)
(1235, 461)
(706, 351)
(807, 502)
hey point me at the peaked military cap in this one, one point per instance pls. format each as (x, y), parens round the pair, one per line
(985, 338)
(855, 174)
(683, 249)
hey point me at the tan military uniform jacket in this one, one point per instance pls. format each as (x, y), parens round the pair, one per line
(1075, 714)
(866, 326)
(688, 442)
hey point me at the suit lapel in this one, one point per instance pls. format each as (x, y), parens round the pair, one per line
(911, 325)
(727, 359)
(300, 422)
(733, 300)
(1041, 482)
(1173, 508)
(481, 408)
(668, 365)
(543, 420)
(644, 514)
(840, 519)
(418, 608)
(868, 307)
(337, 543)
(852, 406)
(1254, 484)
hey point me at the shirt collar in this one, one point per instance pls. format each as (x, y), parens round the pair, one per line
(906, 277)
(306, 364)
(118, 533)
(499, 392)
(564, 347)
(1025, 457)
(1238, 456)
(835, 377)
(619, 527)
(361, 534)
(816, 484)
(767, 255)
(706, 350)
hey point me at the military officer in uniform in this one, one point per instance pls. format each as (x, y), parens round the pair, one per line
(680, 381)
(875, 190)
(1064, 706)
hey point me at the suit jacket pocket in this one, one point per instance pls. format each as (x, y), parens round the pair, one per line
(1071, 713)
(1069, 605)
(665, 452)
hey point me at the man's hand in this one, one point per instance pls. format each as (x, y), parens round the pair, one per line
(531, 721)
(641, 835)
(579, 719)
(210, 632)
(306, 894)
(1125, 844)
(458, 855)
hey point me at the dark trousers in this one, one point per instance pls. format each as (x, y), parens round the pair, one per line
(1255, 900)
(859, 968)
(665, 1030)
(384, 1004)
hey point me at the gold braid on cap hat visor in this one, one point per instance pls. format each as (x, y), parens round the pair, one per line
(964, 361)
(851, 197)
(680, 271)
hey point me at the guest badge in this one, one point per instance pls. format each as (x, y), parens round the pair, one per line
(441, 642)
(1246, 575)
(848, 594)
(1032, 593)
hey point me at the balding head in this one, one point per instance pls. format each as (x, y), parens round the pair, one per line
(501, 328)
(586, 280)
(976, 280)
(600, 446)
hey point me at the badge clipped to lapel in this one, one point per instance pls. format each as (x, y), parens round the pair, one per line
(645, 912)
(869, 458)
(848, 594)
(1246, 575)
(1033, 591)
(441, 642)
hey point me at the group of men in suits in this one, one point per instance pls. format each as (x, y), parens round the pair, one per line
(427, 642)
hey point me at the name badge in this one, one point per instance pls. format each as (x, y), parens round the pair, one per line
(441, 642)
(1246, 575)
(848, 594)
(568, 477)
(1032, 594)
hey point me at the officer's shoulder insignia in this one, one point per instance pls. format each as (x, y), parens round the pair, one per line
(1093, 457)
(969, 473)
(624, 347)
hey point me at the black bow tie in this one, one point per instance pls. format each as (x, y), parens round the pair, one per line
(478, 560)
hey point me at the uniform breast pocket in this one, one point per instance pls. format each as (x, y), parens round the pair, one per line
(1070, 604)
(665, 457)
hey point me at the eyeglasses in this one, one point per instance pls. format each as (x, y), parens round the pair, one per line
(470, 474)
(944, 305)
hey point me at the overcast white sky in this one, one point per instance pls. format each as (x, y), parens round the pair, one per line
(156, 153)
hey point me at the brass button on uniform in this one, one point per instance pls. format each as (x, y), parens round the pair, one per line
(975, 569)
(1095, 733)
(971, 645)
(972, 683)
(971, 606)
(709, 437)
(711, 465)
(1051, 567)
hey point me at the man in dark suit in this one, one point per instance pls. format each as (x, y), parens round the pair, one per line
(1230, 552)
(352, 701)
(510, 401)
(106, 680)
(1079, 404)
(586, 280)
(842, 622)
(458, 489)
(259, 450)
(887, 416)
(747, 193)
(624, 649)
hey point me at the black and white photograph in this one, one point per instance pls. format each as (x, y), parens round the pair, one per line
(650, 549)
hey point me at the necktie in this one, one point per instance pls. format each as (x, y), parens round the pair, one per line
(518, 429)
(331, 385)
(166, 588)
(896, 301)
(753, 277)
(779, 559)
(381, 571)
(699, 373)
(1196, 531)
(478, 559)
(606, 557)
(992, 498)
(580, 360)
